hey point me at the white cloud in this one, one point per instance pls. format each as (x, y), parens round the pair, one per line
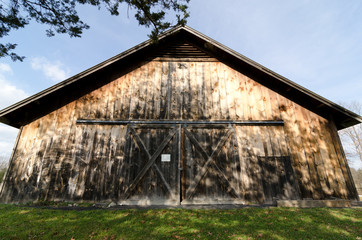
(7, 139)
(9, 94)
(5, 68)
(53, 70)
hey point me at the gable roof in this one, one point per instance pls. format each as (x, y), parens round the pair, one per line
(50, 99)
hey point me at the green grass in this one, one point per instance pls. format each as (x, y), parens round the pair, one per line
(247, 223)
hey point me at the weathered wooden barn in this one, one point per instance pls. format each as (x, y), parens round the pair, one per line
(182, 121)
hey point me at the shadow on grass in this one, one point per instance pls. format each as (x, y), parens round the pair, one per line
(246, 223)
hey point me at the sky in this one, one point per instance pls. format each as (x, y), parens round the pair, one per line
(316, 44)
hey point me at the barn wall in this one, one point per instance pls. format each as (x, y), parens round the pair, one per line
(57, 159)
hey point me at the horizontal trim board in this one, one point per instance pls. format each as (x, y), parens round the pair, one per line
(185, 122)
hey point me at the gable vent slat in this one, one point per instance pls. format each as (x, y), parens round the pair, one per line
(181, 50)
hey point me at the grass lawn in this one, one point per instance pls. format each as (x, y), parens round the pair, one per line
(246, 223)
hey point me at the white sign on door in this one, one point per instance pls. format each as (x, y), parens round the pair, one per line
(165, 157)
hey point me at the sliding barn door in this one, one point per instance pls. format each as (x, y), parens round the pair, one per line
(205, 164)
(150, 173)
(211, 165)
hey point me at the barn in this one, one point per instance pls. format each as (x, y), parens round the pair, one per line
(185, 120)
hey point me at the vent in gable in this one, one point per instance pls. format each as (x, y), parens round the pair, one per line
(181, 51)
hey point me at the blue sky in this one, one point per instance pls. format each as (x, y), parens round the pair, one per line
(316, 44)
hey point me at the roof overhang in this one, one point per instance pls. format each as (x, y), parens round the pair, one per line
(44, 102)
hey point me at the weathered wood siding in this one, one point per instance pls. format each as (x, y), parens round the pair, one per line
(57, 159)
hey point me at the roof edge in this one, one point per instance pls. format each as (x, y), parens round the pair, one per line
(85, 73)
(201, 36)
(276, 75)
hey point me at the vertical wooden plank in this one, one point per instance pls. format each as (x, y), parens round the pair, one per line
(297, 152)
(187, 92)
(268, 165)
(332, 165)
(200, 87)
(77, 156)
(39, 151)
(291, 189)
(180, 89)
(216, 107)
(145, 78)
(257, 150)
(264, 114)
(116, 98)
(244, 158)
(314, 134)
(164, 91)
(207, 91)
(150, 85)
(107, 162)
(170, 67)
(323, 156)
(193, 92)
(266, 100)
(232, 148)
(136, 82)
(260, 111)
(48, 159)
(174, 111)
(121, 165)
(305, 136)
(350, 191)
(84, 162)
(65, 146)
(270, 168)
(256, 139)
(119, 98)
(276, 177)
(93, 101)
(178, 193)
(275, 105)
(102, 102)
(119, 162)
(183, 103)
(238, 101)
(224, 108)
(70, 143)
(28, 171)
(128, 100)
(61, 185)
(245, 97)
(110, 90)
(67, 155)
(210, 183)
(230, 91)
(25, 169)
(156, 97)
(336, 155)
(23, 154)
(96, 166)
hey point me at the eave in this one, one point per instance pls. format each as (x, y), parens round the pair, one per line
(33, 107)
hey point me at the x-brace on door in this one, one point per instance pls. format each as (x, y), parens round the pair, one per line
(156, 154)
(151, 169)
